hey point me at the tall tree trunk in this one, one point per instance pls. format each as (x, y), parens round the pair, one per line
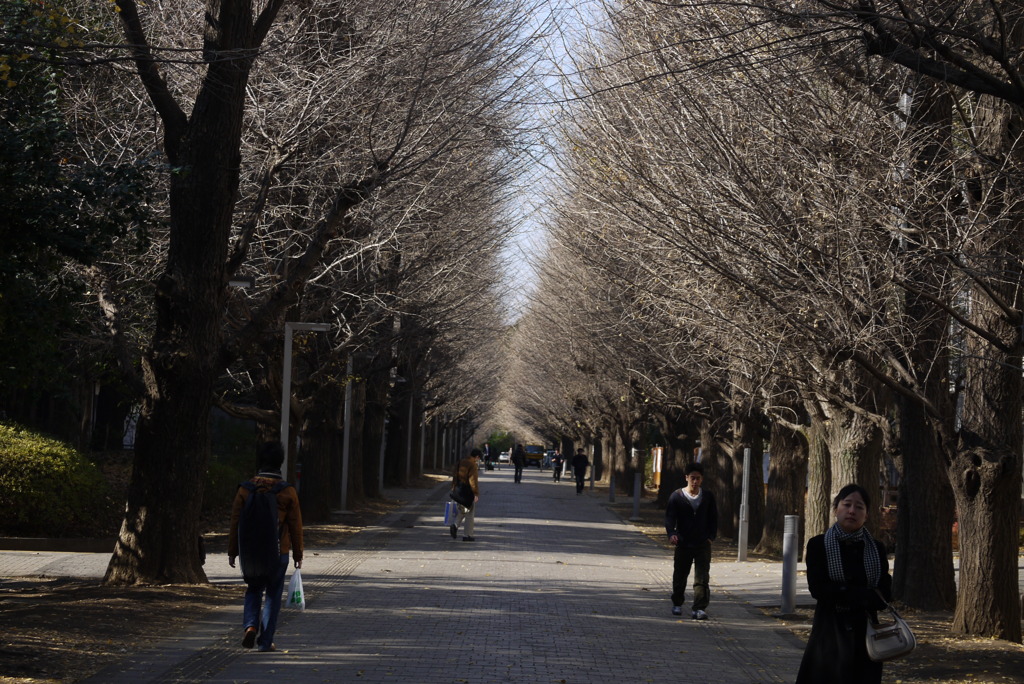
(923, 574)
(356, 465)
(680, 443)
(158, 542)
(985, 469)
(855, 444)
(718, 476)
(818, 517)
(318, 454)
(787, 473)
(923, 571)
(373, 432)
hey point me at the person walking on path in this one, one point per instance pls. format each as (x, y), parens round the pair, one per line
(691, 521)
(580, 463)
(283, 508)
(556, 465)
(848, 575)
(519, 461)
(467, 470)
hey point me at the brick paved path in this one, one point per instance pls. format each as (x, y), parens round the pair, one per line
(555, 589)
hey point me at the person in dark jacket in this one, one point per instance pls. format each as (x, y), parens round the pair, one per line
(519, 461)
(556, 465)
(467, 470)
(691, 521)
(579, 464)
(260, 626)
(848, 575)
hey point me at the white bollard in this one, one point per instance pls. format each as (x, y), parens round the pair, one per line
(790, 551)
(741, 540)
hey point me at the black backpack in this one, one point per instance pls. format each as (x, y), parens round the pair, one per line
(259, 535)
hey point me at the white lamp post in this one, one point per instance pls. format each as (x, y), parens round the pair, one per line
(286, 381)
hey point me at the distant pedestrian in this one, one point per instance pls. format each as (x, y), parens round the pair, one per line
(519, 461)
(556, 465)
(691, 521)
(468, 470)
(282, 505)
(846, 570)
(580, 463)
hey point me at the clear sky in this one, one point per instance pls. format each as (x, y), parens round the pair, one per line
(564, 24)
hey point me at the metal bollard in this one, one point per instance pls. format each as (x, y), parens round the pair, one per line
(790, 549)
(742, 534)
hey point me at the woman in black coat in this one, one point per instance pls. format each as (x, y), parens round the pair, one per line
(846, 571)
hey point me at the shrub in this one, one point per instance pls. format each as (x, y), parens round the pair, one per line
(49, 489)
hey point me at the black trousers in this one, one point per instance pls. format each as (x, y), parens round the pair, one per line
(699, 558)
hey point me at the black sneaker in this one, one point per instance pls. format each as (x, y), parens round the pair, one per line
(677, 610)
(250, 638)
(454, 530)
(469, 539)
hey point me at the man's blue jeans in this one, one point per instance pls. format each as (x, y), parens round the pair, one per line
(271, 609)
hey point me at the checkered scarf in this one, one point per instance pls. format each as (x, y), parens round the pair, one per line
(872, 565)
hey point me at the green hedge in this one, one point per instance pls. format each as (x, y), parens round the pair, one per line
(49, 489)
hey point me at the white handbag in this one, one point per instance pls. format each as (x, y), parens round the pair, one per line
(889, 640)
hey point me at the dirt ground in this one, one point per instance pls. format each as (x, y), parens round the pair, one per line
(63, 630)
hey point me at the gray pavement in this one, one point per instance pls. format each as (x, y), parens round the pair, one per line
(555, 589)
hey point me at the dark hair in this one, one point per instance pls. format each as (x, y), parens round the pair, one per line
(693, 468)
(270, 455)
(850, 489)
(476, 453)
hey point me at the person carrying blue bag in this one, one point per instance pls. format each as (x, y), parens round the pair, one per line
(466, 476)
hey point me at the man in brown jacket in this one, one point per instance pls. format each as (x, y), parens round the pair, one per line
(260, 632)
(468, 470)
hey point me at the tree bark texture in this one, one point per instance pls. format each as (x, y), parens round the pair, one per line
(718, 477)
(855, 445)
(787, 473)
(158, 542)
(985, 468)
(923, 569)
(818, 515)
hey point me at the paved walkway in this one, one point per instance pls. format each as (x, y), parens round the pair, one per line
(555, 589)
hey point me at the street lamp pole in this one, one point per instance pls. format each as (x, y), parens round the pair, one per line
(286, 381)
(346, 439)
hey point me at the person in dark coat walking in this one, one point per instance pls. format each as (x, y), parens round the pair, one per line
(467, 470)
(847, 569)
(691, 521)
(556, 465)
(261, 624)
(519, 461)
(579, 464)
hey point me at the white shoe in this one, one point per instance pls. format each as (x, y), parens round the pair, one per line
(700, 615)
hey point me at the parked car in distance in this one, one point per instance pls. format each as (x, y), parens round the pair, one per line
(504, 457)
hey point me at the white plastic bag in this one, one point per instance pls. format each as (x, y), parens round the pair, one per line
(296, 598)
